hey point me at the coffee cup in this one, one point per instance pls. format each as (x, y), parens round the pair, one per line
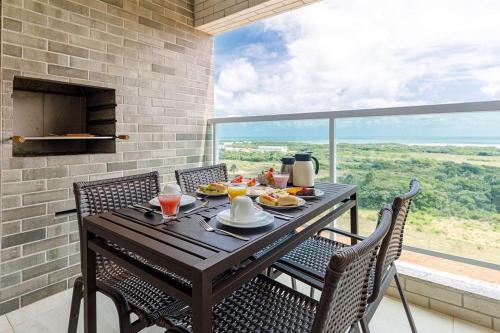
(243, 210)
(171, 189)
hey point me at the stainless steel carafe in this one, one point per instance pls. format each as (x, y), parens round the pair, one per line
(287, 163)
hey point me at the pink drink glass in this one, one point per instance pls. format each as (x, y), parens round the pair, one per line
(281, 180)
(170, 205)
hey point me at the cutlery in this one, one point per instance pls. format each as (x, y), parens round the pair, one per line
(151, 210)
(202, 205)
(141, 210)
(209, 228)
(280, 216)
(279, 213)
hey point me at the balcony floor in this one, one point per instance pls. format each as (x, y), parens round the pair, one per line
(50, 315)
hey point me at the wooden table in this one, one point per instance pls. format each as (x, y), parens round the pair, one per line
(194, 255)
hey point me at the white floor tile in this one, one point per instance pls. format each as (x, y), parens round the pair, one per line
(51, 316)
(5, 325)
(39, 308)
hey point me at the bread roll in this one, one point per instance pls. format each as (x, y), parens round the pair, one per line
(268, 200)
(287, 200)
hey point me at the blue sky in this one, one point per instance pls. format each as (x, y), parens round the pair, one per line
(339, 54)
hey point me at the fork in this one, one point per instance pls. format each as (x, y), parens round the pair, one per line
(209, 228)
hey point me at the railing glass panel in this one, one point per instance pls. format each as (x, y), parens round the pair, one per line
(456, 157)
(250, 148)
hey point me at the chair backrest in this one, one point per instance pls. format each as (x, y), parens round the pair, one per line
(190, 179)
(345, 293)
(101, 196)
(392, 245)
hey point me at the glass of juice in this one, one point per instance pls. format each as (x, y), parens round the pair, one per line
(281, 180)
(169, 203)
(236, 190)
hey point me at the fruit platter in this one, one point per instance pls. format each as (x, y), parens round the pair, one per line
(241, 180)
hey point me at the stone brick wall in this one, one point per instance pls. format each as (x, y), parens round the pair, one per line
(457, 296)
(162, 70)
(217, 16)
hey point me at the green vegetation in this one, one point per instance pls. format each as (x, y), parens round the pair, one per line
(457, 211)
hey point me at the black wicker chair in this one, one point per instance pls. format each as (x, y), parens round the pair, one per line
(264, 305)
(306, 262)
(190, 179)
(129, 293)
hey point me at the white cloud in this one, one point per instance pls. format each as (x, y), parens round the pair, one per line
(365, 53)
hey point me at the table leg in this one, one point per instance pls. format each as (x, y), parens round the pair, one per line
(202, 305)
(89, 289)
(354, 218)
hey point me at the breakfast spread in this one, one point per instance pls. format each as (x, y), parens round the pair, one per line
(213, 188)
(278, 199)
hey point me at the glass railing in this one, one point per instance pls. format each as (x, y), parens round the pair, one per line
(453, 150)
(250, 148)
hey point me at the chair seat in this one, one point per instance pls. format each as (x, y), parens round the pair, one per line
(146, 301)
(313, 255)
(261, 305)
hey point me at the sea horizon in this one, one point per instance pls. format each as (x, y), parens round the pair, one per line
(429, 141)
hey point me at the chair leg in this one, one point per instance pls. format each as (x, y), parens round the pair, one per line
(294, 283)
(311, 292)
(364, 326)
(124, 321)
(76, 300)
(405, 304)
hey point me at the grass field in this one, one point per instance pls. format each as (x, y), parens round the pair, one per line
(457, 212)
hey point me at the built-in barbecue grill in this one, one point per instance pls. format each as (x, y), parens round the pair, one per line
(58, 118)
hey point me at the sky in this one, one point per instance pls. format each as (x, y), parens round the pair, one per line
(351, 54)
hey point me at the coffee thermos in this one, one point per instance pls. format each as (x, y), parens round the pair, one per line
(304, 169)
(287, 163)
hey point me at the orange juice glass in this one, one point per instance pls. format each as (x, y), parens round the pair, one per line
(236, 190)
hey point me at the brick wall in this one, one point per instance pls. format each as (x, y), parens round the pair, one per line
(457, 296)
(162, 71)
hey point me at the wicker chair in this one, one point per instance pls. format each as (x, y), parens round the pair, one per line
(190, 179)
(129, 293)
(264, 305)
(307, 261)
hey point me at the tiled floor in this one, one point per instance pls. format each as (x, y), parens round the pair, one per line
(50, 315)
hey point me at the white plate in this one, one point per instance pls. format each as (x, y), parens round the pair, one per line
(317, 193)
(260, 188)
(224, 218)
(211, 194)
(185, 200)
(301, 202)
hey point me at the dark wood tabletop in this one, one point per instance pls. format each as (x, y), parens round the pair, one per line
(205, 266)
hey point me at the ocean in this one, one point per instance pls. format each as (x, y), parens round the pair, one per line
(426, 141)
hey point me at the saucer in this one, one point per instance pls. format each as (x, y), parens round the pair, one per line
(185, 200)
(224, 218)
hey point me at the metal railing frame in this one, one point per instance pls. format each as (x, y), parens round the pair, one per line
(332, 116)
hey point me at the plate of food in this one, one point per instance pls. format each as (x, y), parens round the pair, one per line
(242, 180)
(280, 201)
(305, 192)
(259, 190)
(212, 189)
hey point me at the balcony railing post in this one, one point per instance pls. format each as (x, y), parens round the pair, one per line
(215, 144)
(332, 149)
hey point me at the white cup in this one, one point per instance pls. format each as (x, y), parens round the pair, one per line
(243, 210)
(171, 189)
